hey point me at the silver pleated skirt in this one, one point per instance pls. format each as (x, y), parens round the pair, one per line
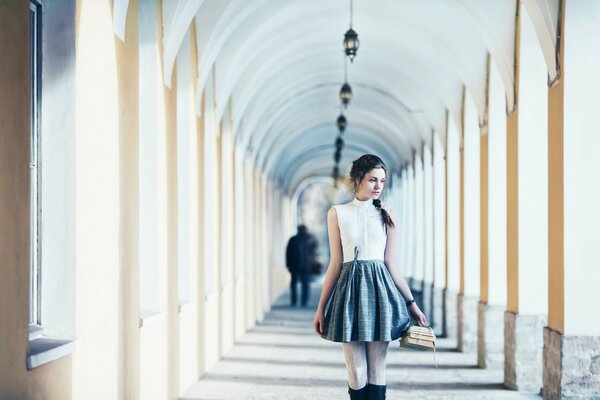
(365, 305)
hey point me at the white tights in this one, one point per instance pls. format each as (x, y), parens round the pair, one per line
(365, 362)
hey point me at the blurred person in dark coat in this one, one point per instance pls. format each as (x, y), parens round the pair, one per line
(299, 256)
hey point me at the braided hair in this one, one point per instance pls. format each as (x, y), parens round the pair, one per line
(360, 167)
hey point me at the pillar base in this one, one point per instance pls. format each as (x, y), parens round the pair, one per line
(490, 336)
(467, 323)
(426, 299)
(437, 317)
(523, 345)
(416, 287)
(450, 308)
(571, 366)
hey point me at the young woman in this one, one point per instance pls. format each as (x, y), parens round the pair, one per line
(362, 303)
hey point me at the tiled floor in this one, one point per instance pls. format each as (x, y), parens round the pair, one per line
(283, 359)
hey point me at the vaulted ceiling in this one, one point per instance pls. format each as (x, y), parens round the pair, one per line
(280, 63)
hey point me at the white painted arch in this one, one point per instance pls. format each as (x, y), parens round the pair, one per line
(266, 54)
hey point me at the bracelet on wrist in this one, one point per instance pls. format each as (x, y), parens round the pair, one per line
(411, 301)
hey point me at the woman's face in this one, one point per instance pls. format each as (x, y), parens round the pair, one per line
(371, 185)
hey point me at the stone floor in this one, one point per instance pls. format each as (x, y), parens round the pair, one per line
(282, 358)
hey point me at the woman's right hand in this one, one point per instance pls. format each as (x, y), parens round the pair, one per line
(318, 322)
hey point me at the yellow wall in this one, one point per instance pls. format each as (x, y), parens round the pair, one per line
(117, 358)
(556, 254)
(483, 179)
(512, 211)
(462, 221)
(512, 189)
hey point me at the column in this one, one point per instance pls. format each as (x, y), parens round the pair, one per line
(410, 224)
(240, 241)
(492, 305)
(227, 289)
(572, 337)
(527, 216)
(439, 234)
(428, 232)
(419, 232)
(249, 243)
(453, 250)
(403, 212)
(469, 278)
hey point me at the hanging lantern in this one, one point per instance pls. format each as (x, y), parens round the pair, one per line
(346, 94)
(351, 44)
(341, 123)
(339, 143)
(336, 156)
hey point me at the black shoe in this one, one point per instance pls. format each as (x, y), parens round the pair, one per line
(358, 394)
(375, 392)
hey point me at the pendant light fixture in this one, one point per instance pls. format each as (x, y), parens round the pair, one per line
(341, 123)
(351, 42)
(346, 94)
(345, 90)
(339, 143)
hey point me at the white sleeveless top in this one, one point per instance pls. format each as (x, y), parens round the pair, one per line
(361, 225)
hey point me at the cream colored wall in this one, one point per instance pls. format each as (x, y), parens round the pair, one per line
(496, 189)
(117, 357)
(127, 64)
(153, 351)
(453, 207)
(101, 131)
(581, 153)
(418, 272)
(188, 315)
(239, 243)
(50, 381)
(470, 198)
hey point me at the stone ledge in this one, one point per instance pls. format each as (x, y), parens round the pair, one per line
(490, 336)
(571, 366)
(450, 314)
(467, 323)
(44, 350)
(523, 346)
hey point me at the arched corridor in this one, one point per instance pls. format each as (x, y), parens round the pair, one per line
(156, 155)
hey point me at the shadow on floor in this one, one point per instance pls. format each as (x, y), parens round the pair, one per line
(282, 359)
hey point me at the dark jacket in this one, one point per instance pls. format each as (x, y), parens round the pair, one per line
(299, 253)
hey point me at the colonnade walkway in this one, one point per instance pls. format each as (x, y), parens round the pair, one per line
(282, 358)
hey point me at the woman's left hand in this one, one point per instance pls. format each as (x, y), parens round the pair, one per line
(416, 313)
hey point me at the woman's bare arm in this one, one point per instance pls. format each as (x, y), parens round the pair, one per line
(335, 262)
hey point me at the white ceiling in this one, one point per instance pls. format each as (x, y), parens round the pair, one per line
(280, 63)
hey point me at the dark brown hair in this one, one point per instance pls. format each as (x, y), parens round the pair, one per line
(360, 167)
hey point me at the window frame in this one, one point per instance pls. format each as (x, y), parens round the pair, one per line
(52, 165)
(35, 166)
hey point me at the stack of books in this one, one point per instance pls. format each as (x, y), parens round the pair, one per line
(419, 338)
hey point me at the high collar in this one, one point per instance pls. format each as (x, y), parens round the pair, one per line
(362, 203)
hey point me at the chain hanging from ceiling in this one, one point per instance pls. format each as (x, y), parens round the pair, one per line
(350, 44)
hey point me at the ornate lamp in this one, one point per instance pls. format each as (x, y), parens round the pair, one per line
(341, 123)
(351, 44)
(346, 94)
